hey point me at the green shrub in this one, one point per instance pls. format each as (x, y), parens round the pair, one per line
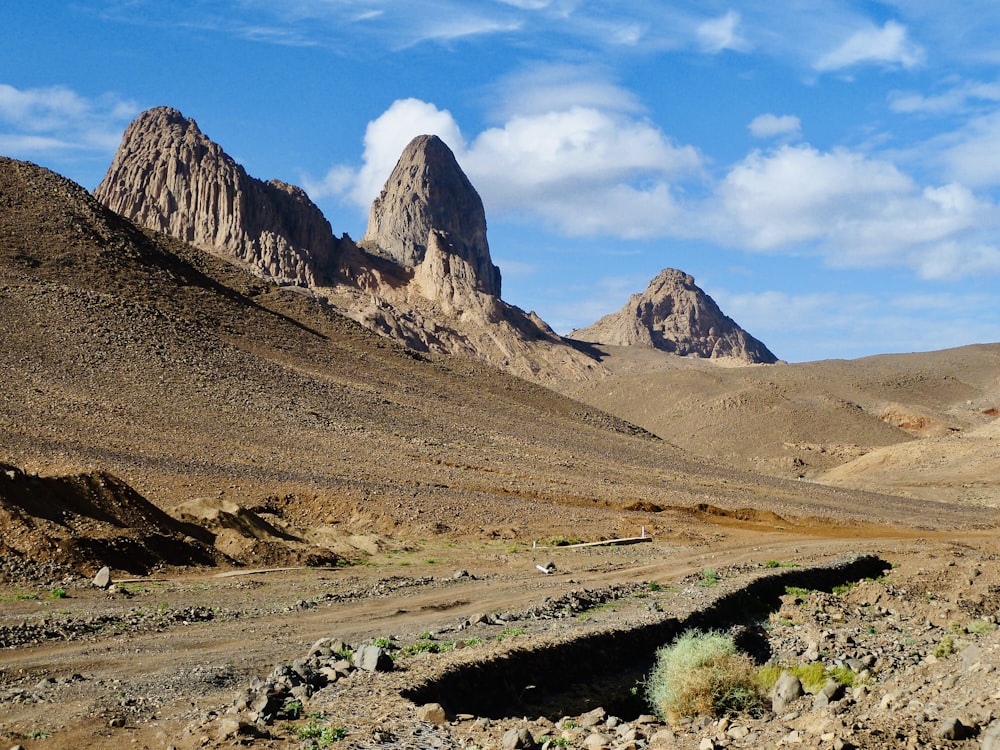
(709, 577)
(702, 674)
(946, 647)
(796, 591)
(978, 627)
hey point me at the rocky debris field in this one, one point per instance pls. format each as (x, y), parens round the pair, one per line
(493, 653)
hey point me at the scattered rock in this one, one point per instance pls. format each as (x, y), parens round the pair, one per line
(787, 689)
(103, 578)
(518, 739)
(433, 713)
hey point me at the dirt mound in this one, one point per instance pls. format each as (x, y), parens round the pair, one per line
(95, 519)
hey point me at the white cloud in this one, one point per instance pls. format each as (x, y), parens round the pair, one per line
(769, 126)
(956, 99)
(585, 170)
(854, 211)
(887, 46)
(718, 34)
(557, 87)
(972, 153)
(56, 118)
(385, 139)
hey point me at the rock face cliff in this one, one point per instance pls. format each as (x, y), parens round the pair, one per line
(422, 274)
(427, 196)
(674, 315)
(168, 176)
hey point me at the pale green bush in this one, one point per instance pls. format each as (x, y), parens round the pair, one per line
(702, 674)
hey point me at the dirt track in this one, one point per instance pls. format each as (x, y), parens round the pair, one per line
(162, 682)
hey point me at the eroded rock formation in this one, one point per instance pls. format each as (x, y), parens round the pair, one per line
(676, 316)
(169, 176)
(428, 196)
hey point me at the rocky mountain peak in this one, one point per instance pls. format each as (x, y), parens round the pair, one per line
(169, 176)
(674, 315)
(429, 193)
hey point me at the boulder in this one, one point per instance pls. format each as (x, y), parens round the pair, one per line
(787, 689)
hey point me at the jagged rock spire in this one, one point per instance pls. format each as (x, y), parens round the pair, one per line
(168, 176)
(427, 193)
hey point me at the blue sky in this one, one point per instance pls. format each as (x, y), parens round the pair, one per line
(828, 172)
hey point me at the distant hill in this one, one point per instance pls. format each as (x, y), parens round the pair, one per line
(674, 315)
(916, 424)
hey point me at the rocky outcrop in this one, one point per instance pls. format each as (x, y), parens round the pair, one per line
(675, 316)
(428, 196)
(168, 176)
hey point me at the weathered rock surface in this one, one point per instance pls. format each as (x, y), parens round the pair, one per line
(675, 316)
(169, 176)
(428, 197)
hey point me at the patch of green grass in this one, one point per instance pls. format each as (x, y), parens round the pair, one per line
(510, 632)
(558, 742)
(22, 597)
(709, 577)
(979, 627)
(345, 653)
(37, 734)
(473, 641)
(945, 647)
(654, 586)
(385, 643)
(781, 564)
(702, 674)
(844, 675)
(844, 588)
(57, 593)
(796, 591)
(426, 644)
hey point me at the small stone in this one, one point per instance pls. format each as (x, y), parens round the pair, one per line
(103, 578)
(518, 739)
(952, 729)
(738, 732)
(117, 723)
(372, 659)
(598, 741)
(991, 739)
(707, 743)
(787, 689)
(433, 713)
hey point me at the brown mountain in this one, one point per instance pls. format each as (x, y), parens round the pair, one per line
(129, 352)
(921, 425)
(428, 195)
(674, 315)
(168, 176)
(423, 275)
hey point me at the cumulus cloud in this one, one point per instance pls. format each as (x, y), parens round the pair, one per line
(718, 34)
(384, 141)
(56, 118)
(971, 154)
(584, 170)
(887, 45)
(769, 126)
(857, 212)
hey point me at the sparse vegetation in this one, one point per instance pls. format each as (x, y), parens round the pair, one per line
(510, 632)
(57, 593)
(709, 577)
(703, 674)
(796, 591)
(945, 647)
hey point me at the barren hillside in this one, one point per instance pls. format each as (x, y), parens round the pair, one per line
(802, 420)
